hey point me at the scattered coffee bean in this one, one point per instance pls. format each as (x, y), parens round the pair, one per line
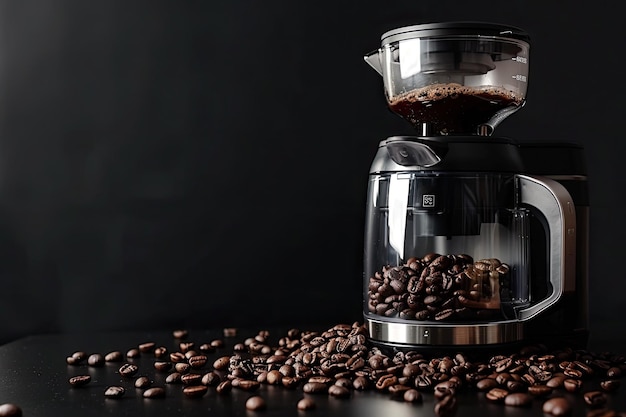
(195, 391)
(229, 332)
(610, 385)
(143, 382)
(128, 370)
(10, 410)
(594, 399)
(256, 403)
(154, 392)
(338, 391)
(162, 366)
(496, 394)
(147, 347)
(173, 378)
(115, 356)
(518, 399)
(95, 360)
(412, 396)
(133, 353)
(79, 380)
(221, 363)
(446, 407)
(180, 333)
(114, 391)
(572, 385)
(224, 387)
(315, 388)
(305, 404)
(191, 378)
(557, 406)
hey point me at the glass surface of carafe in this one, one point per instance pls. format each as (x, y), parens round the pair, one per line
(447, 242)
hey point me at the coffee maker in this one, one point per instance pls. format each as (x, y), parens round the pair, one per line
(470, 239)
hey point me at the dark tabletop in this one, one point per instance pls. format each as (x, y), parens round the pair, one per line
(34, 374)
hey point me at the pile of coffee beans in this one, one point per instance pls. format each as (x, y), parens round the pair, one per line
(439, 287)
(341, 360)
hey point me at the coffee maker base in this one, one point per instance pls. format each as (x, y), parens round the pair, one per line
(426, 334)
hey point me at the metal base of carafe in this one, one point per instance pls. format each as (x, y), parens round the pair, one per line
(435, 334)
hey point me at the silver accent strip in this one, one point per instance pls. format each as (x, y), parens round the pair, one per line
(438, 334)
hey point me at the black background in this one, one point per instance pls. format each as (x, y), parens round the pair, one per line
(204, 163)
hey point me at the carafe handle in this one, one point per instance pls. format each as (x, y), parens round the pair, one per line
(556, 205)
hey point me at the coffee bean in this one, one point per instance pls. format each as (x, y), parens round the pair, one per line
(128, 370)
(248, 385)
(614, 372)
(182, 367)
(338, 391)
(360, 383)
(114, 391)
(211, 379)
(191, 379)
(496, 394)
(594, 399)
(572, 385)
(256, 403)
(10, 410)
(221, 363)
(143, 382)
(133, 353)
(154, 392)
(305, 404)
(557, 406)
(95, 360)
(195, 391)
(518, 399)
(180, 333)
(315, 388)
(540, 390)
(173, 378)
(486, 384)
(224, 387)
(162, 366)
(412, 396)
(610, 385)
(446, 407)
(115, 356)
(146, 347)
(79, 380)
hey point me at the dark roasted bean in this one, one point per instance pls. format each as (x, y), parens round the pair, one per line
(594, 399)
(256, 403)
(518, 399)
(305, 404)
(10, 410)
(79, 380)
(154, 392)
(195, 391)
(557, 406)
(114, 391)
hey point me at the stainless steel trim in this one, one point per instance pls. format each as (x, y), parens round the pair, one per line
(436, 334)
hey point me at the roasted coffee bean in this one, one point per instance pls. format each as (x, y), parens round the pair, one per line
(154, 392)
(486, 384)
(446, 407)
(182, 367)
(146, 347)
(180, 333)
(572, 385)
(338, 391)
(224, 387)
(385, 381)
(160, 352)
(306, 404)
(248, 385)
(128, 370)
(221, 363)
(95, 360)
(496, 394)
(315, 388)
(594, 399)
(360, 383)
(274, 377)
(114, 391)
(516, 386)
(79, 380)
(191, 379)
(614, 372)
(256, 403)
(177, 357)
(211, 379)
(115, 356)
(198, 361)
(133, 353)
(162, 366)
(540, 390)
(412, 396)
(518, 399)
(10, 410)
(610, 385)
(173, 378)
(143, 382)
(195, 391)
(557, 406)
(556, 381)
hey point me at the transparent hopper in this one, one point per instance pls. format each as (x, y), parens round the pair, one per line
(460, 78)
